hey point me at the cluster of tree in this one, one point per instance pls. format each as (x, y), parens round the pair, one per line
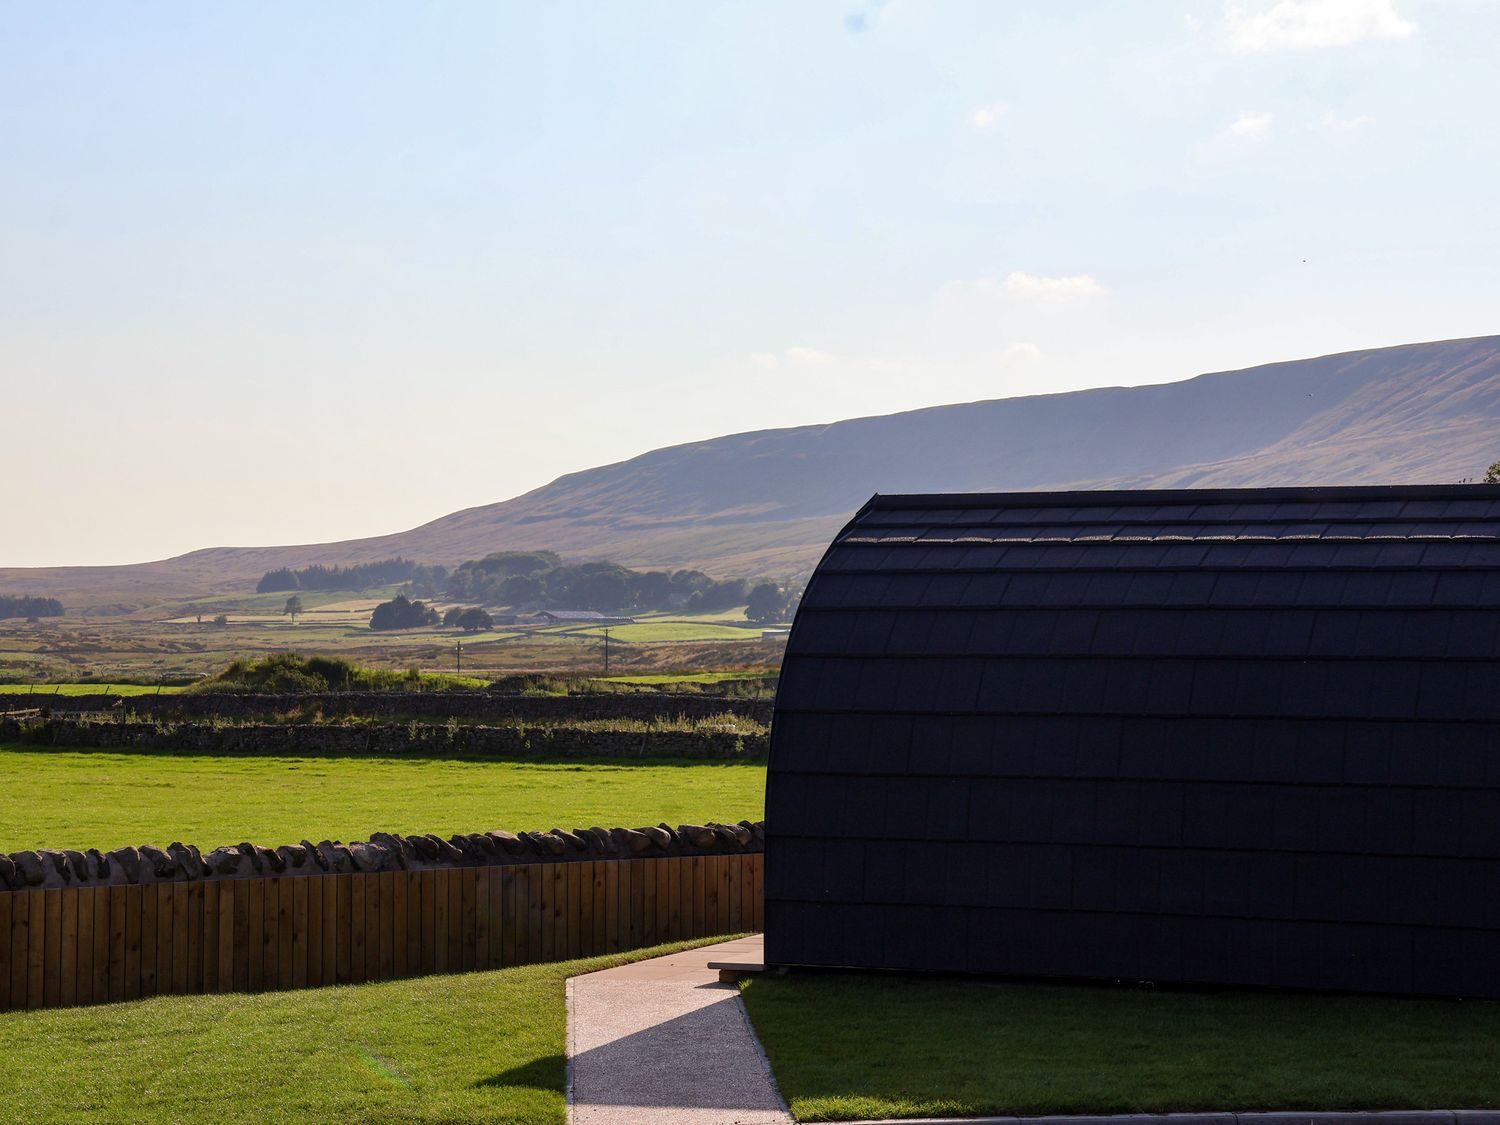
(539, 580)
(768, 603)
(1492, 474)
(470, 620)
(361, 576)
(402, 613)
(19, 605)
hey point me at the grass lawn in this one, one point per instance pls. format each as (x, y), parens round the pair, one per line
(470, 1048)
(845, 1046)
(82, 799)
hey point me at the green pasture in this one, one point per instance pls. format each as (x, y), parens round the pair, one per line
(847, 1046)
(472, 1049)
(645, 631)
(688, 678)
(86, 689)
(83, 799)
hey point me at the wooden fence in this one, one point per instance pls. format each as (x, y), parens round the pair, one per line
(95, 945)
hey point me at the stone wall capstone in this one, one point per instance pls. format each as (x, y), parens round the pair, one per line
(47, 868)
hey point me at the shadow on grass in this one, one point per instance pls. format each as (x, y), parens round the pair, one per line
(546, 1073)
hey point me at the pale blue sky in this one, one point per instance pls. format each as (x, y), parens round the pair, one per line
(297, 272)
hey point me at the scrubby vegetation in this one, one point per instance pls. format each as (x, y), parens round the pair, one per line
(290, 672)
(20, 605)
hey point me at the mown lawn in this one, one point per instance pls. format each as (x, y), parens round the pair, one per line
(83, 799)
(462, 1050)
(845, 1046)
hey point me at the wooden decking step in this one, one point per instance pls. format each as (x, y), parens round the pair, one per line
(731, 971)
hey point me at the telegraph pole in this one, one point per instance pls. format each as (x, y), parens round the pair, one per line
(458, 657)
(606, 654)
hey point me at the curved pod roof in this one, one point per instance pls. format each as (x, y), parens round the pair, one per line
(1243, 736)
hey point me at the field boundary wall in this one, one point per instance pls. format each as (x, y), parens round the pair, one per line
(477, 705)
(396, 739)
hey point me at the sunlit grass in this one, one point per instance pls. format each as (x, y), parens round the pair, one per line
(73, 799)
(470, 1049)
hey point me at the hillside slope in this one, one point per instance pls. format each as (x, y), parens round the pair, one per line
(767, 502)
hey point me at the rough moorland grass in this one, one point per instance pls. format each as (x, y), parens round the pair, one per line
(71, 799)
(846, 1046)
(475, 1048)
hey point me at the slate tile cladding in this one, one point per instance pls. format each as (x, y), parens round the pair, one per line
(1232, 736)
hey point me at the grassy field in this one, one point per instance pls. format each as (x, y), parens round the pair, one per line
(470, 1049)
(69, 799)
(86, 689)
(72, 648)
(691, 677)
(845, 1046)
(672, 631)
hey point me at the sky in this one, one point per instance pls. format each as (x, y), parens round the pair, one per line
(286, 272)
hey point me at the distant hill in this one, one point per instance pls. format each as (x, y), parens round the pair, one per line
(766, 503)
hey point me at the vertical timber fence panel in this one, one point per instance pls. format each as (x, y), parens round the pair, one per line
(96, 945)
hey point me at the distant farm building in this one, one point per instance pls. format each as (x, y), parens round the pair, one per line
(1242, 736)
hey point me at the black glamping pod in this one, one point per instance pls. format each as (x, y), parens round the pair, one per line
(1237, 736)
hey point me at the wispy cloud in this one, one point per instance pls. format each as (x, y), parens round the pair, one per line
(1019, 353)
(1022, 286)
(1249, 128)
(1018, 285)
(1309, 25)
(986, 116)
(1332, 124)
(1242, 136)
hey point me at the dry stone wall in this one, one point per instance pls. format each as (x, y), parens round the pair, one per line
(393, 739)
(48, 869)
(478, 705)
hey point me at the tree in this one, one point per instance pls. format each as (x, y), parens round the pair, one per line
(450, 618)
(1492, 475)
(765, 603)
(403, 613)
(473, 620)
(293, 607)
(222, 620)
